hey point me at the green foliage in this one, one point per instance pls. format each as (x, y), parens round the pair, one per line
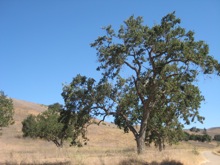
(217, 137)
(6, 110)
(196, 137)
(148, 76)
(185, 137)
(50, 126)
(29, 127)
(45, 125)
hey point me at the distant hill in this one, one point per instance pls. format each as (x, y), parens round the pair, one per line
(213, 131)
(25, 108)
(210, 131)
(214, 128)
(96, 134)
(22, 110)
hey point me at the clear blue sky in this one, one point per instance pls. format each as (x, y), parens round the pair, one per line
(44, 43)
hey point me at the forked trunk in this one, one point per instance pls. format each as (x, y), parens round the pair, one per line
(140, 136)
(58, 144)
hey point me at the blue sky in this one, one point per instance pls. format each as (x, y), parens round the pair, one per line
(44, 44)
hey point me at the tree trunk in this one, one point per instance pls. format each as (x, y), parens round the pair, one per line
(140, 144)
(60, 145)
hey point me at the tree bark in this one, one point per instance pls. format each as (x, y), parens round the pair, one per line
(140, 140)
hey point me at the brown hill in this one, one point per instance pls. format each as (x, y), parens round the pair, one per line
(96, 134)
(12, 143)
(107, 145)
(213, 131)
(22, 110)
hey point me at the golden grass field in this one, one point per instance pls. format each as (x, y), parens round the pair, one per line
(108, 145)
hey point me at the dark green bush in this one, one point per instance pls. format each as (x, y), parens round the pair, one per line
(194, 129)
(217, 137)
(201, 138)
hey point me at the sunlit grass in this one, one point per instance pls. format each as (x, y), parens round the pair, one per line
(107, 145)
(41, 153)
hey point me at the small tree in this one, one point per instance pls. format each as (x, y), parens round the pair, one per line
(148, 76)
(6, 110)
(29, 127)
(45, 125)
(49, 125)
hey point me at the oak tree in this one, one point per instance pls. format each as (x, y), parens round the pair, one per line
(147, 83)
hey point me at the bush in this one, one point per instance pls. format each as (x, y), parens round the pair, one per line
(45, 125)
(53, 125)
(30, 127)
(186, 136)
(201, 138)
(217, 137)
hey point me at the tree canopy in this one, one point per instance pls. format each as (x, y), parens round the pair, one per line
(148, 76)
(6, 110)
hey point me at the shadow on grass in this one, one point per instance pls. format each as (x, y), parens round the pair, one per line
(141, 162)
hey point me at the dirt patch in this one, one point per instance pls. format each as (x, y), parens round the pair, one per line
(212, 159)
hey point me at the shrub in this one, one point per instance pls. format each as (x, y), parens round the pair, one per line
(217, 137)
(45, 126)
(201, 138)
(56, 125)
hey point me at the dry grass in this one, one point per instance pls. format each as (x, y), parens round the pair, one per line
(108, 145)
(29, 151)
(97, 156)
(217, 149)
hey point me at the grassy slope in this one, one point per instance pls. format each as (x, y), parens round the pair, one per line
(107, 145)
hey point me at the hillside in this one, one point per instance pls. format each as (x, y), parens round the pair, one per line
(96, 134)
(213, 131)
(107, 145)
(12, 142)
(22, 110)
